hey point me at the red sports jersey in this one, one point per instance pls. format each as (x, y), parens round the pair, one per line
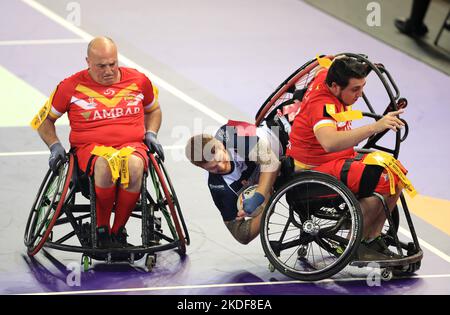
(303, 145)
(108, 115)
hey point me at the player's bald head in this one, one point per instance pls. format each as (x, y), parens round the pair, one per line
(100, 46)
(102, 61)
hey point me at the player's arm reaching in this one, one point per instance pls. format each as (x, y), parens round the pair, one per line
(270, 165)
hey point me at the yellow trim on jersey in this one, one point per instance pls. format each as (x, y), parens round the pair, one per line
(53, 115)
(155, 93)
(103, 99)
(117, 161)
(154, 104)
(392, 166)
(39, 118)
(343, 116)
(152, 108)
(318, 126)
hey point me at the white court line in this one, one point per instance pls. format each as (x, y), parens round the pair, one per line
(42, 41)
(25, 153)
(223, 285)
(154, 78)
(159, 81)
(425, 244)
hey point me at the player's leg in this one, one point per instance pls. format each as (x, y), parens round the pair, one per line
(127, 198)
(105, 196)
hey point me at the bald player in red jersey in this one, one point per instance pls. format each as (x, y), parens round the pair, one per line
(108, 106)
(322, 139)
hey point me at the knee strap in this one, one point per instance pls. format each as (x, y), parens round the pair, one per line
(346, 167)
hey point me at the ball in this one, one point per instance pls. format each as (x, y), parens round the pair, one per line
(245, 194)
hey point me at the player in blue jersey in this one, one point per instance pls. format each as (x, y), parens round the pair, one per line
(239, 156)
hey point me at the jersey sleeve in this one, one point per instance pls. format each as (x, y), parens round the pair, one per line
(150, 92)
(59, 100)
(318, 116)
(262, 153)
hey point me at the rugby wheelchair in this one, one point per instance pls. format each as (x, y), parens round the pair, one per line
(58, 220)
(311, 228)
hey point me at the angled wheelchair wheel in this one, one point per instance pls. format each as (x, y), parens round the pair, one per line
(311, 227)
(293, 88)
(175, 202)
(166, 201)
(47, 206)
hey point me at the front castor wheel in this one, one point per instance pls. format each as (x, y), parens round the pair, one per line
(150, 262)
(271, 267)
(386, 274)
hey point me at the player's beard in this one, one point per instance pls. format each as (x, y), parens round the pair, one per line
(339, 97)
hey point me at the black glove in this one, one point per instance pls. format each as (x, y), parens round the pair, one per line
(153, 144)
(57, 153)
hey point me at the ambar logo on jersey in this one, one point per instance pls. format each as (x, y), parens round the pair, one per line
(112, 113)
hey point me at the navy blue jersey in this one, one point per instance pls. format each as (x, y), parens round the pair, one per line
(239, 139)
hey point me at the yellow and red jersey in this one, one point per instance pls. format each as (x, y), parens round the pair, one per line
(314, 114)
(109, 115)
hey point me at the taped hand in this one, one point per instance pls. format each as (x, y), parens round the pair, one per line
(252, 203)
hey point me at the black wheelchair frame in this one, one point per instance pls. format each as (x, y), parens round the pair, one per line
(55, 205)
(319, 210)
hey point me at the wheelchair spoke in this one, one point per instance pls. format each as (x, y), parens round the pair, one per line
(294, 251)
(289, 230)
(305, 262)
(286, 207)
(292, 238)
(281, 215)
(281, 224)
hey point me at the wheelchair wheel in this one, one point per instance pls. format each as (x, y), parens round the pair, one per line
(47, 206)
(311, 227)
(167, 203)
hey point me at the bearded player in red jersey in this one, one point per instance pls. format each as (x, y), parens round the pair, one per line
(322, 139)
(109, 108)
